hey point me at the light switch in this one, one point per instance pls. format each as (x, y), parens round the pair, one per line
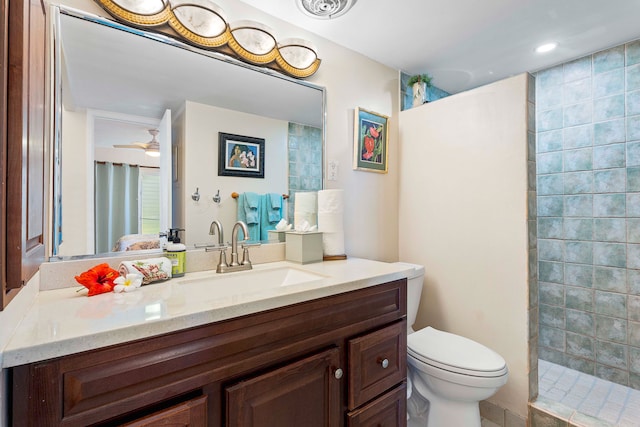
(332, 173)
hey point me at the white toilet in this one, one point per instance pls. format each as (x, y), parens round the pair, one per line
(448, 374)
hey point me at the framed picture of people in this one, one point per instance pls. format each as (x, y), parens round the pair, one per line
(240, 156)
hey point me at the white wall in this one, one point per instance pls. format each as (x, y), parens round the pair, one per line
(351, 80)
(463, 215)
(200, 166)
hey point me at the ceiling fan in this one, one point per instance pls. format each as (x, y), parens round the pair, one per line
(151, 148)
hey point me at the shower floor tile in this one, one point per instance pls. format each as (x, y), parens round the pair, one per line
(583, 393)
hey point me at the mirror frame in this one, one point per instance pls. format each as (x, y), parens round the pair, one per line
(55, 91)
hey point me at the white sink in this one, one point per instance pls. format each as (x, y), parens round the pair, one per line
(255, 280)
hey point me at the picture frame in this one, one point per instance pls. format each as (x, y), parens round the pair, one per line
(371, 141)
(240, 156)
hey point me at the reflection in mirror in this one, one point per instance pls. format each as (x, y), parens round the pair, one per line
(114, 84)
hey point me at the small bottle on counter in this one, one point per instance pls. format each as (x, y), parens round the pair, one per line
(176, 252)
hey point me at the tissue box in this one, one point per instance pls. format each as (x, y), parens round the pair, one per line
(303, 248)
(276, 236)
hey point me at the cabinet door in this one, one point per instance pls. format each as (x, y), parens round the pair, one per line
(192, 413)
(389, 410)
(303, 393)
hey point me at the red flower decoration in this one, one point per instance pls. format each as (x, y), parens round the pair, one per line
(374, 132)
(98, 279)
(369, 145)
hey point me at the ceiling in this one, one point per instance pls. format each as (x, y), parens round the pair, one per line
(468, 43)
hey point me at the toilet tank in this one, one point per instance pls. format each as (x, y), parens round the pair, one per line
(414, 290)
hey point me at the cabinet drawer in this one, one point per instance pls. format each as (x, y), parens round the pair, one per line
(377, 362)
(192, 413)
(389, 410)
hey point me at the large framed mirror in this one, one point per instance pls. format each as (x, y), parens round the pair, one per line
(122, 95)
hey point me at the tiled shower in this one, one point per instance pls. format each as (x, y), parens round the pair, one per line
(588, 206)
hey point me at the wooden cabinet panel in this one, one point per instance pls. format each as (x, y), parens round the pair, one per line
(389, 410)
(377, 362)
(304, 393)
(192, 413)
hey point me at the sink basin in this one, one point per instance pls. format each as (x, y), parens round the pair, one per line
(256, 280)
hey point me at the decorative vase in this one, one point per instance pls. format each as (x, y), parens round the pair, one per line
(419, 93)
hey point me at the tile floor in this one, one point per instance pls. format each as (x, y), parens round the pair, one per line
(604, 400)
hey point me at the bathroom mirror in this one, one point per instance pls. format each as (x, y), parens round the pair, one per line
(114, 84)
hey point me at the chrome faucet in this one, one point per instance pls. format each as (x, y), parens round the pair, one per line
(235, 265)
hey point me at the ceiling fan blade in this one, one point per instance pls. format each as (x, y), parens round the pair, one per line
(129, 146)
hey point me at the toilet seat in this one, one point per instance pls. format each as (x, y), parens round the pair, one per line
(454, 353)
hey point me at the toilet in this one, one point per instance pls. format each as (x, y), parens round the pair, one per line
(448, 375)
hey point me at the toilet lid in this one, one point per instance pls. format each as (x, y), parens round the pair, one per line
(454, 353)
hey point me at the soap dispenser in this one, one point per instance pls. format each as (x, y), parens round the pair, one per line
(176, 252)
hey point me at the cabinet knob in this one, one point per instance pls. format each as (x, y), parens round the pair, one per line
(338, 373)
(384, 363)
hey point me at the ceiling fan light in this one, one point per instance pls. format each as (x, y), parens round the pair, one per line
(152, 152)
(325, 9)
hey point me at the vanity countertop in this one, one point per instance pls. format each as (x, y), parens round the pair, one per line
(64, 321)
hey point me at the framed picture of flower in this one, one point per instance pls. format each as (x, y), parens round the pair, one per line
(370, 141)
(240, 156)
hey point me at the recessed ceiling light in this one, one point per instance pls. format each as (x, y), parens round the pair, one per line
(547, 47)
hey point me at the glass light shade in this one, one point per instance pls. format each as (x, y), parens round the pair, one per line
(142, 7)
(298, 53)
(201, 17)
(151, 152)
(253, 37)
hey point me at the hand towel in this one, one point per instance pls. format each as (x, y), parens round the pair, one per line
(270, 215)
(249, 212)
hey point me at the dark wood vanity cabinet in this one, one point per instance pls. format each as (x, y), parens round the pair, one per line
(333, 361)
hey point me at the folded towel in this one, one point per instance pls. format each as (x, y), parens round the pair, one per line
(152, 270)
(251, 208)
(274, 203)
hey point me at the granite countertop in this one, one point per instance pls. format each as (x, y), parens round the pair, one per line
(64, 321)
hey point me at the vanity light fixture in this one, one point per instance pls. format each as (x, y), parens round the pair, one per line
(202, 23)
(325, 9)
(547, 47)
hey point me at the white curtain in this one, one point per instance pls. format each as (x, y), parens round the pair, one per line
(116, 203)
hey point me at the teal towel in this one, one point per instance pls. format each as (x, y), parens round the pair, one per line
(249, 207)
(270, 216)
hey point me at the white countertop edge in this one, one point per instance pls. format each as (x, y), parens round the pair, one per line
(21, 351)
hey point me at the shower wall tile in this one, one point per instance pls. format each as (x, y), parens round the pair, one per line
(612, 354)
(634, 357)
(633, 154)
(612, 374)
(576, 91)
(609, 254)
(551, 316)
(578, 298)
(607, 108)
(549, 162)
(633, 77)
(609, 83)
(579, 252)
(549, 120)
(551, 250)
(610, 181)
(550, 184)
(611, 304)
(633, 281)
(610, 279)
(551, 272)
(550, 206)
(577, 137)
(551, 293)
(578, 275)
(633, 204)
(609, 229)
(634, 308)
(609, 132)
(634, 334)
(611, 329)
(633, 102)
(633, 179)
(578, 160)
(632, 53)
(578, 206)
(577, 69)
(633, 128)
(608, 60)
(547, 79)
(580, 345)
(580, 322)
(550, 228)
(633, 230)
(609, 156)
(552, 337)
(578, 182)
(577, 229)
(609, 205)
(633, 256)
(578, 114)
